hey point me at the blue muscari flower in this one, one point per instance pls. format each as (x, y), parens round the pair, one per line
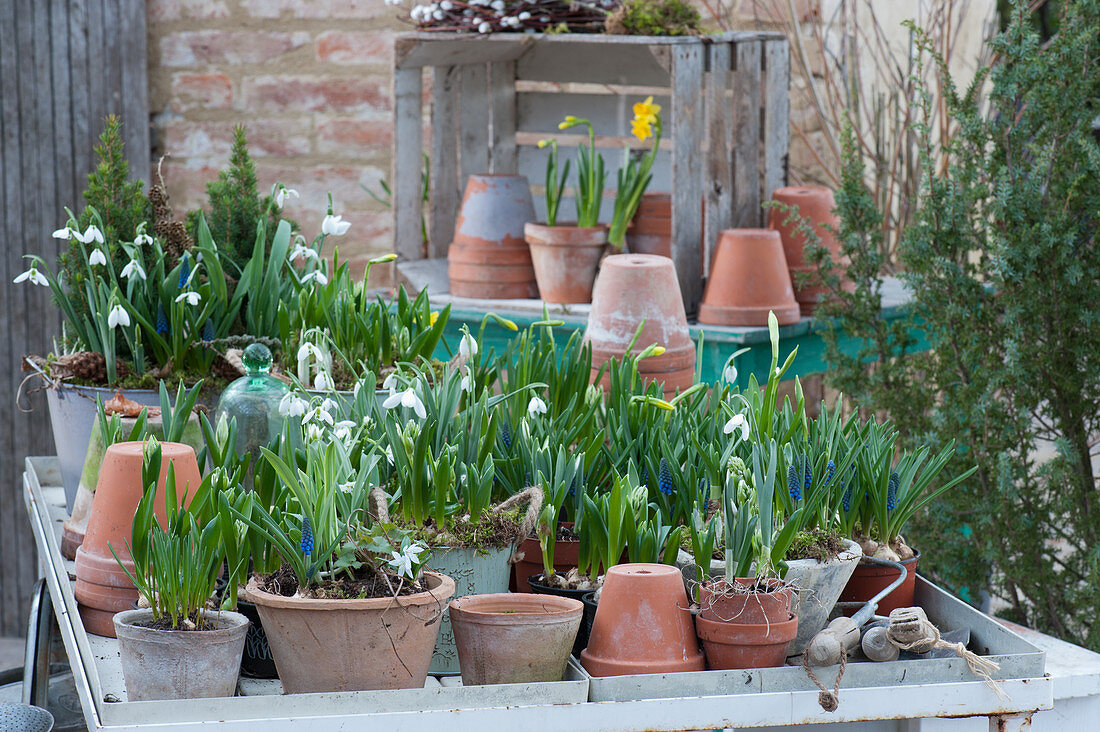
(809, 474)
(307, 536)
(830, 468)
(793, 484)
(506, 435)
(185, 271)
(664, 478)
(573, 487)
(892, 491)
(644, 479)
(208, 330)
(162, 321)
(846, 501)
(704, 487)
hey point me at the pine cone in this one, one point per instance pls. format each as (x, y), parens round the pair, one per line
(172, 234)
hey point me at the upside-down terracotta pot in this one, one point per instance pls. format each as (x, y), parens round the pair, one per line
(632, 288)
(815, 204)
(514, 638)
(748, 279)
(353, 645)
(746, 645)
(489, 257)
(565, 259)
(102, 586)
(740, 605)
(650, 232)
(870, 579)
(642, 624)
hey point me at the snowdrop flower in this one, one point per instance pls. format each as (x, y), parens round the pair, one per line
(316, 415)
(737, 421)
(291, 405)
(307, 350)
(315, 276)
(323, 382)
(484, 27)
(335, 225)
(468, 346)
(132, 269)
(35, 277)
(283, 193)
(302, 252)
(466, 384)
(118, 316)
(92, 233)
(350, 485)
(144, 239)
(389, 454)
(536, 406)
(730, 374)
(97, 257)
(329, 406)
(192, 298)
(355, 389)
(314, 432)
(66, 233)
(407, 399)
(343, 430)
(390, 384)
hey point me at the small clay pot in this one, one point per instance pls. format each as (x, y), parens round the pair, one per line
(514, 638)
(102, 586)
(815, 204)
(565, 259)
(488, 258)
(632, 288)
(746, 645)
(650, 232)
(870, 579)
(719, 603)
(566, 557)
(749, 279)
(642, 624)
(534, 581)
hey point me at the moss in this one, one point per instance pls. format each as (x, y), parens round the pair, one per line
(654, 18)
(492, 531)
(815, 544)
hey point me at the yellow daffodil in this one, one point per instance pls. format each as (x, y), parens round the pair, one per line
(647, 110)
(543, 143)
(432, 317)
(642, 129)
(569, 121)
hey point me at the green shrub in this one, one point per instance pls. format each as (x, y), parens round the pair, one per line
(655, 18)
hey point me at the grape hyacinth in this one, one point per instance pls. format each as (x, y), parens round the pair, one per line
(644, 479)
(185, 271)
(892, 491)
(307, 536)
(208, 330)
(704, 488)
(506, 435)
(664, 478)
(830, 468)
(162, 321)
(809, 474)
(846, 501)
(793, 484)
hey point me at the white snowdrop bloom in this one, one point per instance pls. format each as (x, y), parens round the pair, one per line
(143, 239)
(729, 374)
(92, 233)
(335, 225)
(303, 252)
(284, 193)
(291, 405)
(323, 382)
(735, 422)
(309, 350)
(314, 432)
(97, 257)
(390, 384)
(66, 233)
(329, 405)
(34, 276)
(132, 269)
(466, 384)
(536, 406)
(389, 454)
(318, 415)
(467, 346)
(315, 276)
(118, 316)
(407, 399)
(192, 298)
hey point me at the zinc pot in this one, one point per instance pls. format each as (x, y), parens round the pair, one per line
(353, 645)
(474, 572)
(514, 638)
(817, 588)
(749, 279)
(642, 624)
(815, 204)
(535, 583)
(102, 587)
(650, 231)
(590, 605)
(257, 661)
(179, 664)
(739, 605)
(489, 257)
(632, 288)
(870, 579)
(565, 259)
(746, 645)
(566, 557)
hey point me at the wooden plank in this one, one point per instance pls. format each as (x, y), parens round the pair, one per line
(79, 92)
(502, 119)
(610, 114)
(134, 84)
(777, 112)
(746, 146)
(600, 63)
(718, 212)
(407, 152)
(61, 88)
(416, 51)
(687, 171)
(473, 130)
(96, 76)
(445, 190)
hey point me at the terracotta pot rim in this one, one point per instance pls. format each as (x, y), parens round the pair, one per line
(809, 190)
(439, 592)
(516, 608)
(227, 623)
(748, 633)
(753, 233)
(565, 225)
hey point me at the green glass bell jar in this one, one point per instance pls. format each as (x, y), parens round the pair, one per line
(253, 400)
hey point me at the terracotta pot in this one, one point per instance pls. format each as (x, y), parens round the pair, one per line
(565, 258)
(748, 278)
(489, 258)
(746, 645)
(514, 638)
(567, 553)
(650, 232)
(815, 204)
(102, 587)
(632, 288)
(720, 605)
(642, 624)
(351, 645)
(179, 664)
(534, 581)
(870, 579)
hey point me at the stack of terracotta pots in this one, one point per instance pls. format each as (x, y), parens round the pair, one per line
(633, 288)
(651, 230)
(815, 204)
(749, 279)
(489, 258)
(102, 586)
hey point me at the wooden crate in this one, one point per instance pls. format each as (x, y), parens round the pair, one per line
(492, 98)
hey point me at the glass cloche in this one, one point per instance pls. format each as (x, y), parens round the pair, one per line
(253, 400)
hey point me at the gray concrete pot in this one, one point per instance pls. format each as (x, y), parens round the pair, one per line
(180, 664)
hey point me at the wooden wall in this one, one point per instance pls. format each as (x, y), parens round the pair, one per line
(64, 66)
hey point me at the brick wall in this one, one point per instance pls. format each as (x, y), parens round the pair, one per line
(311, 81)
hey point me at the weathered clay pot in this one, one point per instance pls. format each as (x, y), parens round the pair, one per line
(565, 259)
(642, 624)
(748, 278)
(746, 645)
(719, 604)
(102, 587)
(179, 664)
(514, 638)
(632, 288)
(817, 587)
(815, 204)
(870, 579)
(488, 257)
(534, 581)
(650, 232)
(567, 554)
(352, 645)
